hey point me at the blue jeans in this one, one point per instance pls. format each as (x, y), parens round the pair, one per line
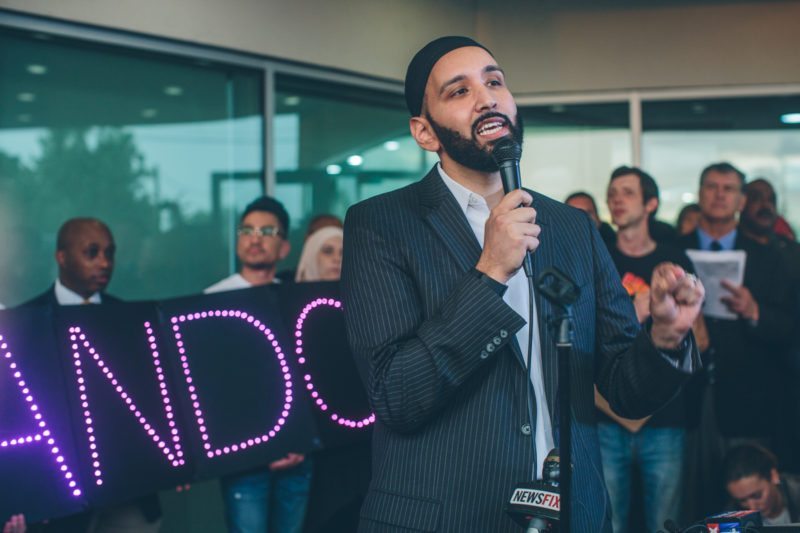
(264, 501)
(659, 453)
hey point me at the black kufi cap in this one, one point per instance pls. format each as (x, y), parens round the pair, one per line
(420, 67)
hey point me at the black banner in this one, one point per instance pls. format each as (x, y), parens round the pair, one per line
(101, 404)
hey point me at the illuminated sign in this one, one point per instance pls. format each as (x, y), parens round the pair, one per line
(318, 400)
(132, 398)
(42, 437)
(80, 343)
(272, 343)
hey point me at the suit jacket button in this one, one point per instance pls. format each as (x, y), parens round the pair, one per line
(497, 341)
(526, 429)
(490, 347)
(503, 334)
(484, 354)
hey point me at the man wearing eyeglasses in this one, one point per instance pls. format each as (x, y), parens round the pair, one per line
(273, 499)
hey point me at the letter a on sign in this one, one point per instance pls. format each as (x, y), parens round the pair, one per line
(39, 434)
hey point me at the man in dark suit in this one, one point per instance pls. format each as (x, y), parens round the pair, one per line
(434, 300)
(85, 251)
(744, 351)
(85, 255)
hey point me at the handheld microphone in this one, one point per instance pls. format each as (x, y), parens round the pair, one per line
(506, 154)
(536, 505)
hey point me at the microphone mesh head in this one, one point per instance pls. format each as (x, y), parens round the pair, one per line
(506, 149)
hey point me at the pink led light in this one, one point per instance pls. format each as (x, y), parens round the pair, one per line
(174, 457)
(298, 350)
(211, 450)
(44, 435)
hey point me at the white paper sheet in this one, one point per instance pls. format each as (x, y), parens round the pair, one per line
(712, 268)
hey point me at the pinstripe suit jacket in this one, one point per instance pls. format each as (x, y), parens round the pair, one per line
(449, 442)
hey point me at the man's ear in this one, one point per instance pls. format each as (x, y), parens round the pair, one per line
(285, 249)
(775, 478)
(423, 133)
(651, 205)
(742, 203)
(61, 258)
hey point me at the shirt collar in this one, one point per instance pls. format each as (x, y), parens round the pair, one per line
(465, 197)
(727, 241)
(67, 296)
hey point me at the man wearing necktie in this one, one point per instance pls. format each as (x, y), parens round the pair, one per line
(743, 358)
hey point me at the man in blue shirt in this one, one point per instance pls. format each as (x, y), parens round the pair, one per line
(744, 351)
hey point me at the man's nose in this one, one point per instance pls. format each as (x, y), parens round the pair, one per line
(485, 99)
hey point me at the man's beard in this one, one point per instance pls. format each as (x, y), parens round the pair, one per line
(259, 266)
(757, 225)
(467, 152)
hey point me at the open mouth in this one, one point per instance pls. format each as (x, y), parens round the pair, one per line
(492, 128)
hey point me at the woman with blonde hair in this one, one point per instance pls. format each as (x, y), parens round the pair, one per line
(341, 474)
(321, 259)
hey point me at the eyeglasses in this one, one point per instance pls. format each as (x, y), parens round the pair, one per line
(264, 231)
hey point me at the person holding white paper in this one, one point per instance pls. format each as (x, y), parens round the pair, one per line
(745, 348)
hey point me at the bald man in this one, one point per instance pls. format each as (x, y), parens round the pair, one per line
(85, 255)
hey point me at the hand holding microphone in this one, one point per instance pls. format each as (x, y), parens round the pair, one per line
(511, 232)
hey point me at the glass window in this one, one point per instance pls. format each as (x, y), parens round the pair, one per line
(336, 145)
(574, 147)
(165, 150)
(759, 135)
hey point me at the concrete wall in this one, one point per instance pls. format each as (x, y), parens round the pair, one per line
(376, 37)
(621, 47)
(546, 46)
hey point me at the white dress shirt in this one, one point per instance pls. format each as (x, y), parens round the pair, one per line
(67, 296)
(476, 210)
(231, 283)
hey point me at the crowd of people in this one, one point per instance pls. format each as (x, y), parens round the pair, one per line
(675, 464)
(276, 497)
(687, 406)
(715, 435)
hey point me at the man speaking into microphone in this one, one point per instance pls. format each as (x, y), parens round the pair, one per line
(437, 311)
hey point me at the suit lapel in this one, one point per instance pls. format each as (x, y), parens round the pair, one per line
(445, 217)
(447, 220)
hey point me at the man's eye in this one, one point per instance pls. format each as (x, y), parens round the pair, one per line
(459, 92)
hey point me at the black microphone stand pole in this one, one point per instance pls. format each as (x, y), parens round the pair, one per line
(564, 349)
(562, 293)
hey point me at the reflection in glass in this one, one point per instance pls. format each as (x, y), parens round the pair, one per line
(574, 147)
(682, 137)
(336, 145)
(164, 150)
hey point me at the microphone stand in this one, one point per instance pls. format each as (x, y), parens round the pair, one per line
(562, 293)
